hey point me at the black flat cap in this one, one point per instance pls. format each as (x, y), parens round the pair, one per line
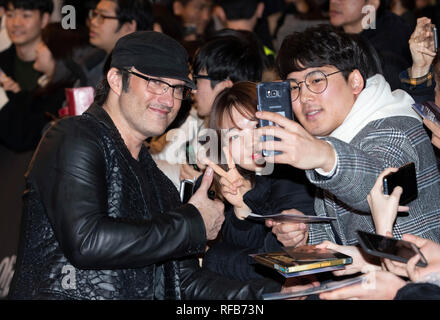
(154, 54)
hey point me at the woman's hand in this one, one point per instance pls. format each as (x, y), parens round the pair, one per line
(290, 234)
(421, 45)
(429, 249)
(233, 185)
(379, 285)
(384, 207)
(360, 262)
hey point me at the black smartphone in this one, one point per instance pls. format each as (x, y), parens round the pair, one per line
(274, 97)
(186, 190)
(406, 178)
(390, 248)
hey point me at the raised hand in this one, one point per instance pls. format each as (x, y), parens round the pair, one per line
(384, 207)
(421, 45)
(233, 185)
(299, 148)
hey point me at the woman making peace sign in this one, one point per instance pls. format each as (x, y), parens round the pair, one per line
(244, 188)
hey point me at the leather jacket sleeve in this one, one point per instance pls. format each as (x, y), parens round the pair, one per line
(202, 284)
(69, 174)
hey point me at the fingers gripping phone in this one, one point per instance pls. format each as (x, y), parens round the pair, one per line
(390, 248)
(273, 97)
(406, 178)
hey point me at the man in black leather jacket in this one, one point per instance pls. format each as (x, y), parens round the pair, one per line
(100, 220)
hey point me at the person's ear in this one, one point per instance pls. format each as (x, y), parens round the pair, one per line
(177, 8)
(129, 27)
(260, 10)
(374, 3)
(114, 78)
(45, 18)
(220, 14)
(224, 84)
(356, 81)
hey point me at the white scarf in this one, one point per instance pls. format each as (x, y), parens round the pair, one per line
(375, 102)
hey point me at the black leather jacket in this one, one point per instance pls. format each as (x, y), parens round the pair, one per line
(98, 224)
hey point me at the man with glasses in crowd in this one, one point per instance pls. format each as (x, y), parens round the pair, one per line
(101, 221)
(109, 21)
(351, 127)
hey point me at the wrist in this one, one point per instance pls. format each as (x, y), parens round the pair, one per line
(329, 157)
(419, 71)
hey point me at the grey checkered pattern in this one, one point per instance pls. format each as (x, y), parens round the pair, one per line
(389, 142)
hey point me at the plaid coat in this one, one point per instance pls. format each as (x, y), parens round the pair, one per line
(383, 143)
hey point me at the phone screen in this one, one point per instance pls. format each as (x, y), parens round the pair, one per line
(389, 247)
(186, 190)
(405, 178)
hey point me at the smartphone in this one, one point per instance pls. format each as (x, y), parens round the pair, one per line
(390, 248)
(274, 97)
(428, 110)
(434, 31)
(407, 179)
(191, 157)
(186, 190)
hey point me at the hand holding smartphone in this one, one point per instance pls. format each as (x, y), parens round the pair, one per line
(274, 97)
(390, 248)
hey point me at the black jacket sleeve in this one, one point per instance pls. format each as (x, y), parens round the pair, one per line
(418, 291)
(202, 284)
(70, 177)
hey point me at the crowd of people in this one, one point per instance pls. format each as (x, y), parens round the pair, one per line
(175, 99)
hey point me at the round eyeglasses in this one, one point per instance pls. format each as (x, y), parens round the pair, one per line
(160, 87)
(316, 82)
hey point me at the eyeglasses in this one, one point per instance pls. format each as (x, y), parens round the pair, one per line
(200, 76)
(315, 81)
(99, 16)
(160, 87)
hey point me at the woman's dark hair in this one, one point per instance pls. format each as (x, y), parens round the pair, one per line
(62, 44)
(326, 45)
(242, 96)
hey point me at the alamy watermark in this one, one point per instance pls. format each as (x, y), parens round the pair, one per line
(369, 20)
(68, 20)
(68, 282)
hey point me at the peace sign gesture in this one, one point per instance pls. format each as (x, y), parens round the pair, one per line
(233, 185)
